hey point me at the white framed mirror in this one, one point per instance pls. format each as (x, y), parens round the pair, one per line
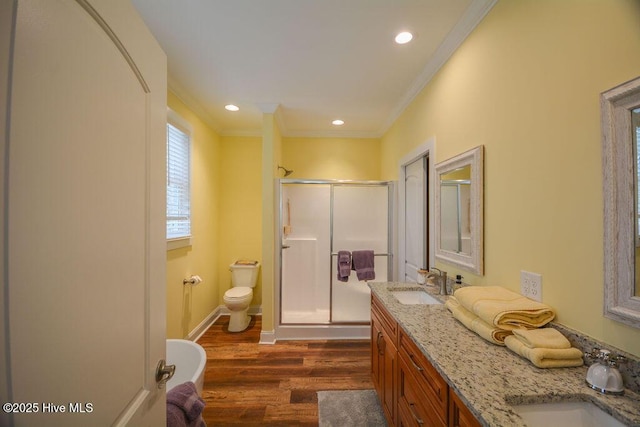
(620, 116)
(459, 209)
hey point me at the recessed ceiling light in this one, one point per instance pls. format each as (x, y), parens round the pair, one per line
(338, 122)
(404, 37)
(231, 107)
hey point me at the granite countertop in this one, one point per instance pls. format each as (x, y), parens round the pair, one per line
(490, 378)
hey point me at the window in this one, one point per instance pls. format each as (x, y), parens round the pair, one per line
(178, 182)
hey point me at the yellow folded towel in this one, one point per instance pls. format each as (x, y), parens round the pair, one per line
(545, 357)
(503, 308)
(246, 262)
(542, 338)
(475, 324)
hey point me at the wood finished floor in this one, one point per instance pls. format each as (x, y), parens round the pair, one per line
(249, 384)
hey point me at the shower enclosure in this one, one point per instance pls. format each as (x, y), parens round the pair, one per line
(318, 219)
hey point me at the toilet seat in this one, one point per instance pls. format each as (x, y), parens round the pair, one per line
(238, 293)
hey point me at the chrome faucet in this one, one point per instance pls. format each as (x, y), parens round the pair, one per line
(441, 277)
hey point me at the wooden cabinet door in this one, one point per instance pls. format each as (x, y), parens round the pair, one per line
(459, 414)
(383, 366)
(390, 358)
(377, 360)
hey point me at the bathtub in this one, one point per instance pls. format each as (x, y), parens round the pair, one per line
(190, 360)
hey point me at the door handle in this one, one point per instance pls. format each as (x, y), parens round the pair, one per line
(164, 372)
(285, 246)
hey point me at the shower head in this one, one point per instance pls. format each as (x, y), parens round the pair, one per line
(287, 172)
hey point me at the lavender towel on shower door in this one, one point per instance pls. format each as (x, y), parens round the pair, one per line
(363, 264)
(344, 265)
(184, 406)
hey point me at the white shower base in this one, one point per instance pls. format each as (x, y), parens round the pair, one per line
(307, 325)
(323, 332)
(315, 317)
(305, 317)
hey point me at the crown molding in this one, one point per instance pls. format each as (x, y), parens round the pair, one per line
(333, 134)
(189, 101)
(243, 132)
(474, 14)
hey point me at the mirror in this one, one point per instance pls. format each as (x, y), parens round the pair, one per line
(620, 108)
(459, 211)
(635, 135)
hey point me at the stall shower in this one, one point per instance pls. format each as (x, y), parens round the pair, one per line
(317, 220)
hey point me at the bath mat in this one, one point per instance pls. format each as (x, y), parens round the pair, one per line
(353, 408)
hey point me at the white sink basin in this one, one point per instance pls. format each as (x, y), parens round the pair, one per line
(566, 414)
(414, 297)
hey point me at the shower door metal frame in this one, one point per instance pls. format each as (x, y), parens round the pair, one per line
(332, 184)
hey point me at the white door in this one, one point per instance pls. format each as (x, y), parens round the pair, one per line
(415, 210)
(84, 216)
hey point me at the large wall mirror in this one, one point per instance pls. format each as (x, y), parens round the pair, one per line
(459, 211)
(620, 109)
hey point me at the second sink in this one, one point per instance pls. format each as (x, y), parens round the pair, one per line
(414, 297)
(566, 414)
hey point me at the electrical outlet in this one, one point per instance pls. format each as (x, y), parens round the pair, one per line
(531, 285)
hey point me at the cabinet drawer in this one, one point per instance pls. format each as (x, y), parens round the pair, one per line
(426, 377)
(389, 325)
(414, 408)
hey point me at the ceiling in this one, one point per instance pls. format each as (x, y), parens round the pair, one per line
(307, 61)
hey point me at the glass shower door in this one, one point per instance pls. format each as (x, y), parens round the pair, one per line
(318, 220)
(360, 222)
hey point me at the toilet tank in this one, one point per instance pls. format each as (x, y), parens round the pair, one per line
(243, 274)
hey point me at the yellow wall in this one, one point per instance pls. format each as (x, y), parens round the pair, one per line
(240, 215)
(526, 84)
(228, 195)
(332, 158)
(188, 306)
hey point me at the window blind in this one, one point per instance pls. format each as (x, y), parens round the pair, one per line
(178, 183)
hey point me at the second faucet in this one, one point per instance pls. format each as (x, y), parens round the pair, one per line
(441, 277)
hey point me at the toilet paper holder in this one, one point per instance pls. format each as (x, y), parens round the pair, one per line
(193, 280)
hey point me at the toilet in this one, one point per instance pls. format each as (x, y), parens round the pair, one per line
(244, 276)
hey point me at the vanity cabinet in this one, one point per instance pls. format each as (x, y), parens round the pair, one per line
(422, 392)
(384, 355)
(411, 390)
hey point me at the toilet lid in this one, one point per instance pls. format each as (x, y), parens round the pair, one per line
(239, 292)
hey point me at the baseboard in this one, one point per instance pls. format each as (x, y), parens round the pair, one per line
(267, 337)
(197, 332)
(220, 310)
